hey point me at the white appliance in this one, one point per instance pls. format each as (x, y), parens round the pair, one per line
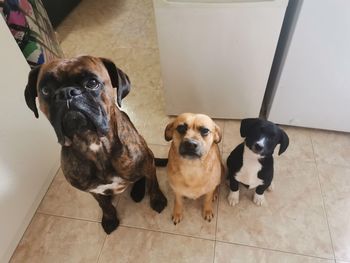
(313, 88)
(216, 55)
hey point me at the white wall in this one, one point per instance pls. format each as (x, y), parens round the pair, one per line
(29, 153)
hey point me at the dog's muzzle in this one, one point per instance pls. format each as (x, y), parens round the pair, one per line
(190, 149)
(74, 112)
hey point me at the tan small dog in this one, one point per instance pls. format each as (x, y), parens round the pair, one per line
(194, 167)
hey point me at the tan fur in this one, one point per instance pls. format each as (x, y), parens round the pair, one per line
(193, 178)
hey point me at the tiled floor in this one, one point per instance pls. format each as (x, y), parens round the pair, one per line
(306, 218)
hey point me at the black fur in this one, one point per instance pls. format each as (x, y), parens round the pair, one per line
(138, 190)
(161, 162)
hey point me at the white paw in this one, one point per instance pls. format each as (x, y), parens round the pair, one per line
(271, 187)
(258, 199)
(233, 198)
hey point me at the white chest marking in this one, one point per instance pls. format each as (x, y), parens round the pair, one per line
(118, 186)
(248, 174)
(95, 147)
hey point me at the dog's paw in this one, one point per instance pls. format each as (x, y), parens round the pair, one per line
(109, 225)
(137, 194)
(259, 199)
(271, 187)
(233, 198)
(159, 203)
(208, 215)
(176, 218)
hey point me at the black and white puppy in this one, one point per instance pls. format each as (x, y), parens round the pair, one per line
(251, 162)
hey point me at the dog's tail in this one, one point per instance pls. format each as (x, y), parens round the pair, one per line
(161, 162)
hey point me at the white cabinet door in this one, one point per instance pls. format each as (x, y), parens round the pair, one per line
(216, 55)
(314, 86)
(29, 153)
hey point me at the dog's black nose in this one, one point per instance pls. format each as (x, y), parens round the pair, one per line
(190, 144)
(67, 93)
(258, 147)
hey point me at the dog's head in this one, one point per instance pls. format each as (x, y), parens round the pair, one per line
(193, 134)
(76, 94)
(263, 136)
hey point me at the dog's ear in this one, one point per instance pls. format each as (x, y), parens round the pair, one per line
(246, 124)
(169, 130)
(119, 80)
(30, 92)
(284, 142)
(217, 134)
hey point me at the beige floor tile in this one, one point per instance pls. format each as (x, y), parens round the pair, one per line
(160, 151)
(292, 219)
(335, 183)
(56, 239)
(300, 145)
(151, 123)
(62, 199)
(92, 26)
(138, 32)
(229, 253)
(141, 215)
(135, 245)
(331, 147)
(232, 136)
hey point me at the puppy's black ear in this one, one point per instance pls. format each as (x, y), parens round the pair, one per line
(30, 93)
(119, 80)
(246, 124)
(284, 142)
(169, 130)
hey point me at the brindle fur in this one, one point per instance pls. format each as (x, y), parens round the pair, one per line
(123, 152)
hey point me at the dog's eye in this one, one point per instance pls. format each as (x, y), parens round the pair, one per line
(204, 131)
(45, 91)
(182, 128)
(92, 84)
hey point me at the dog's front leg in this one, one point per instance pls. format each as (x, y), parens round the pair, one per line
(177, 213)
(233, 196)
(110, 219)
(157, 199)
(138, 190)
(208, 213)
(259, 197)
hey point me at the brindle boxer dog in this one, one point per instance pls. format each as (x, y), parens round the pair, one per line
(102, 152)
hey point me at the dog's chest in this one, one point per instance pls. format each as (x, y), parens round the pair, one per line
(194, 181)
(248, 174)
(117, 186)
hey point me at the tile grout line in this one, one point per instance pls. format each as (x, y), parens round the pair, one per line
(323, 198)
(217, 219)
(68, 217)
(167, 232)
(218, 193)
(274, 250)
(99, 255)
